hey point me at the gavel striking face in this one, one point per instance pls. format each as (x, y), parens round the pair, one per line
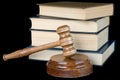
(65, 65)
(65, 41)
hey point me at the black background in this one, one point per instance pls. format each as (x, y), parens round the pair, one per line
(36, 70)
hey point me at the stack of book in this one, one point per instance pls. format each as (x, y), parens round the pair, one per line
(89, 26)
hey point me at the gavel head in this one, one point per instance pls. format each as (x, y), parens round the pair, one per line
(66, 41)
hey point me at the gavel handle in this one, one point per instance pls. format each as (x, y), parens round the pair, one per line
(28, 51)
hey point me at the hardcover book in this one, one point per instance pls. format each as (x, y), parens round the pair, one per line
(96, 57)
(82, 41)
(76, 10)
(51, 23)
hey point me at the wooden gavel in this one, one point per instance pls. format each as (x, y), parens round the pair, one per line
(65, 41)
(66, 65)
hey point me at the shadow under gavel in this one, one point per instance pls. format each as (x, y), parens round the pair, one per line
(69, 64)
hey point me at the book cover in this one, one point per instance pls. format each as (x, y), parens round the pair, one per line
(96, 57)
(76, 10)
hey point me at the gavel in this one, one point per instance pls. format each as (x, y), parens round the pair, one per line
(69, 64)
(65, 41)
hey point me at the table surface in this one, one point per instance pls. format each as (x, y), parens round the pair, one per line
(36, 70)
